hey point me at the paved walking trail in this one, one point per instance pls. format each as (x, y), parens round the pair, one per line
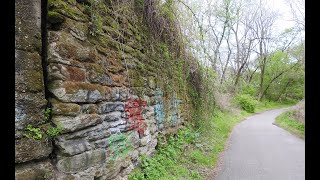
(259, 150)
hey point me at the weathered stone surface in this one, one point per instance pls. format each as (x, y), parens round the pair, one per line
(70, 124)
(133, 154)
(113, 116)
(28, 149)
(145, 140)
(123, 174)
(28, 109)
(29, 81)
(82, 161)
(116, 94)
(89, 109)
(97, 74)
(117, 123)
(101, 143)
(35, 170)
(55, 18)
(68, 9)
(76, 92)
(110, 107)
(27, 61)
(63, 176)
(99, 131)
(112, 169)
(73, 147)
(64, 72)
(143, 150)
(55, 57)
(78, 30)
(67, 49)
(68, 109)
(152, 127)
(119, 79)
(29, 87)
(28, 25)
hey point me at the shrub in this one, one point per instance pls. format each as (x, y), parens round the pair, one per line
(249, 89)
(299, 111)
(246, 102)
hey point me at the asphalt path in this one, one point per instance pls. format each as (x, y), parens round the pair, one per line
(259, 150)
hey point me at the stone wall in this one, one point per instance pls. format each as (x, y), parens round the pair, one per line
(111, 97)
(31, 156)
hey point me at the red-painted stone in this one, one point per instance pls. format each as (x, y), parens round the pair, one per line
(134, 107)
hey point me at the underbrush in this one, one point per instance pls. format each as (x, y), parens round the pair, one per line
(287, 121)
(299, 112)
(170, 160)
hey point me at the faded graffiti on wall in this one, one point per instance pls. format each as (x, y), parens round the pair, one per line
(175, 103)
(119, 145)
(158, 109)
(134, 109)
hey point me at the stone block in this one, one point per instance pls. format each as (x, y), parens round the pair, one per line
(27, 149)
(76, 91)
(89, 109)
(70, 124)
(72, 147)
(67, 109)
(35, 170)
(64, 72)
(93, 133)
(82, 161)
(98, 74)
(28, 25)
(110, 107)
(28, 109)
(113, 116)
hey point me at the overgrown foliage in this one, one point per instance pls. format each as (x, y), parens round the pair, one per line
(246, 102)
(287, 121)
(161, 165)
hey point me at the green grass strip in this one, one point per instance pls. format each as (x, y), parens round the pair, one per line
(287, 122)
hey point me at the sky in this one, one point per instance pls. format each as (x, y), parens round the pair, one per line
(284, 21)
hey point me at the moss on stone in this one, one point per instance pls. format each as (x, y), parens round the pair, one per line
(68, 10)
(137, 82)
(67, 50)
(134, 74)
(110, 21)
(96, 68)
(34, 81)
(73, 87)
(138, 37)
(109, 42)
(113, 32)
(65, 109)
(54, 17)
(76, 74)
